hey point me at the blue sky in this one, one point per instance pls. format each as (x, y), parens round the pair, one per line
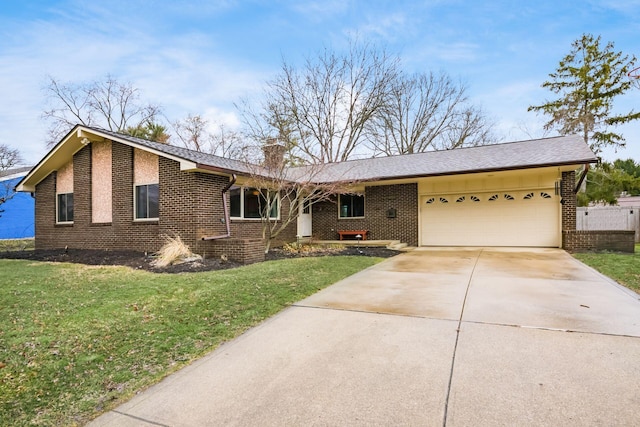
(200, 57)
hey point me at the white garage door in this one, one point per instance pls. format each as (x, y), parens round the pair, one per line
(512, 218)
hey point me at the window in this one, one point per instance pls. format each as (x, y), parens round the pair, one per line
(351, 206)
(65, 207)
(147, 201)
(249, 203)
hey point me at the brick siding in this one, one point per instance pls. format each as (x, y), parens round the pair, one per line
(569, 201)
(599, 240)
(246, 251)
(378, 200)
(190, 207)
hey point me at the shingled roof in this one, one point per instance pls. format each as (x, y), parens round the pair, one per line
(222, 163)
(535, 153)
(557, 151)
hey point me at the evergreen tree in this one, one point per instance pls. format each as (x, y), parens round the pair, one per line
(607, 181)
(149, 131)
(587, 81)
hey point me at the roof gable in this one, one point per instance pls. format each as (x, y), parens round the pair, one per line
(81, 135)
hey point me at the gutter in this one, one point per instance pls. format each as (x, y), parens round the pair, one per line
(582, 177)
(227, 221)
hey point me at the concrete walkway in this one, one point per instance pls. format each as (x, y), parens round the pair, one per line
(433, 337)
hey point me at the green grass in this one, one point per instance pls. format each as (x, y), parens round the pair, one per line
(623, 268)
(77, 340)
(16, 245)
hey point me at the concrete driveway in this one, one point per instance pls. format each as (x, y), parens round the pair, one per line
(433, 337)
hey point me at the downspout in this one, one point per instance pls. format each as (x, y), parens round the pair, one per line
(582, 177)
(226, 211)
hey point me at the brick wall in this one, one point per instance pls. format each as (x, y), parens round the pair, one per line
(246, 251)
(190, 207)
(574, 240)
(609, 218)
(569, 200)
(45, 217)
(598, 240)
(378, 199)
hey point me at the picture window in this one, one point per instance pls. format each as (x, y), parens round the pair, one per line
(351, 206)
(250, 203)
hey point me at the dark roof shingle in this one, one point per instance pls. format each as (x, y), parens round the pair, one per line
(555, 151)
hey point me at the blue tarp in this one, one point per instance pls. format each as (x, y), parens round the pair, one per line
(18, 219)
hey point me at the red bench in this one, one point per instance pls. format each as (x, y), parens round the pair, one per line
(353, 233)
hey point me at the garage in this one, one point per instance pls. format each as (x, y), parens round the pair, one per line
(499, 218)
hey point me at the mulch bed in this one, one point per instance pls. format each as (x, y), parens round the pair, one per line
(140, 261)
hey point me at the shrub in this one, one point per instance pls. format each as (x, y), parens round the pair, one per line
(174, 251)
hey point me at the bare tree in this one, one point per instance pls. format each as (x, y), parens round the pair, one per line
(470, 127)
(287, 190)
(109, 104)
(9, 158)
(192, 131)
(195, 133)
(427, 112)
(321, 110)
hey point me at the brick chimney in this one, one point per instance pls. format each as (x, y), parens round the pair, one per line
(273, 152)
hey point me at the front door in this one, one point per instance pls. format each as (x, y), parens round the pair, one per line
(304, 220)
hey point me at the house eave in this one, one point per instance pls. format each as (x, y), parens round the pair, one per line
(565, 166)
(74, 141)
(569, 165)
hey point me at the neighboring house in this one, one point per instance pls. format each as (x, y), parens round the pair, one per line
(17, 215)
(103, 190)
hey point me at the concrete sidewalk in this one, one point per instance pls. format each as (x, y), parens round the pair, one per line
(437, 336)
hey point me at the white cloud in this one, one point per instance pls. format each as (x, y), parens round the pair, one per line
(183, 73)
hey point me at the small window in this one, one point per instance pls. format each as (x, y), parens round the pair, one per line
(431, 200)
(508, 197)
(528, 196)
(351, 206)
(460, 199)
(493, 198)
(146, 200)
(249, 203)
(474, 198)
(65, 208)
(443, 200)
(235, 202)
(545, 195)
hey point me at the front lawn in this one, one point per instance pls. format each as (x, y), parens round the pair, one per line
(76, 340)
(623, 268)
